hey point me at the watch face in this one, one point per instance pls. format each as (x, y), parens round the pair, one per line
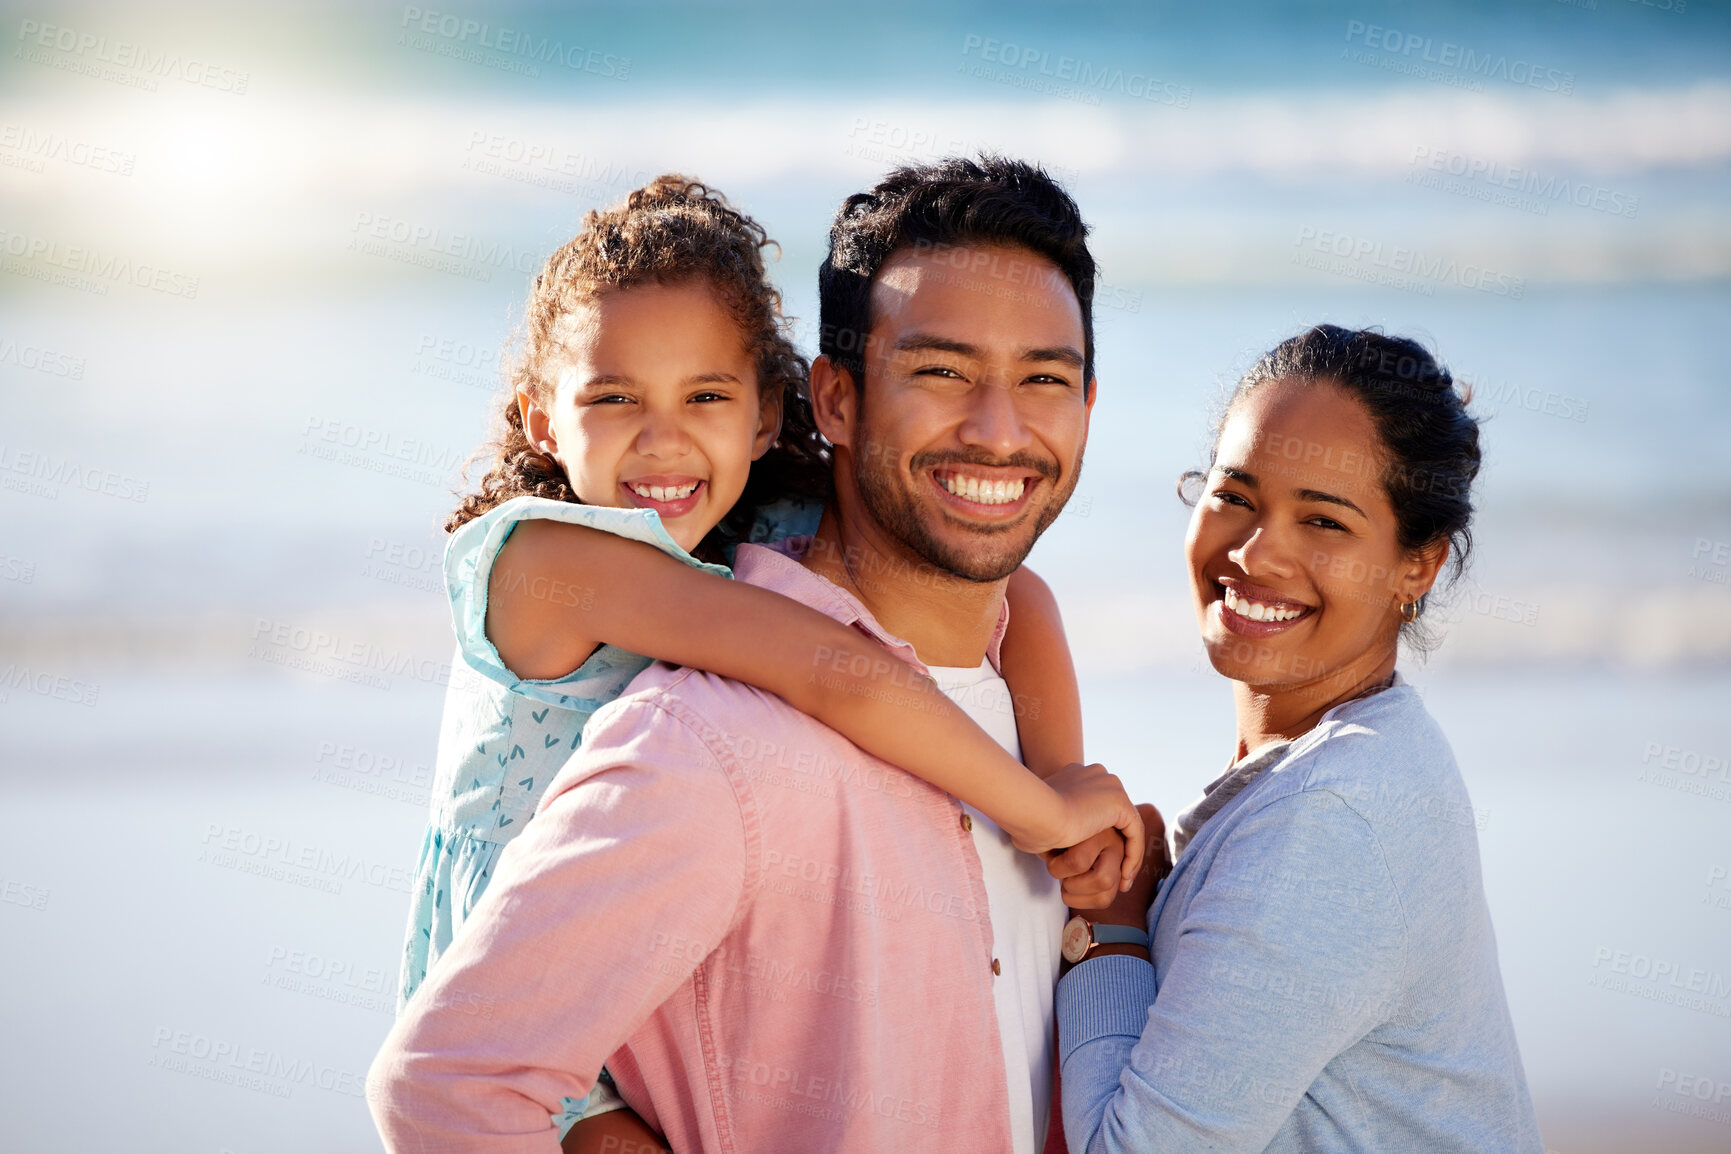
(1078, 936)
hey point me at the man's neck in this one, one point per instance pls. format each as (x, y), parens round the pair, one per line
(948, 620)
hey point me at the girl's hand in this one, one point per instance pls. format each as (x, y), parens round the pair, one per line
(1094, 800)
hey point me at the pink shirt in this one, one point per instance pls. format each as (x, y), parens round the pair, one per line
(774, 941)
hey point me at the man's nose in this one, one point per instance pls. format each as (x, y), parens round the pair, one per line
(994, 422)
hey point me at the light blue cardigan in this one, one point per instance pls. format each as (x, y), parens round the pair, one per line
(1325, 974)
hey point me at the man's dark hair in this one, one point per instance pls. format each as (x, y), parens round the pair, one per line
(953, 202)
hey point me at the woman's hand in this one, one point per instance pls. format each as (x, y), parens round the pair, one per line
(1093, 801)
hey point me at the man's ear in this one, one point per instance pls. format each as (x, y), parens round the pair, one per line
(834, 401)
(537, 425)
(769, 413)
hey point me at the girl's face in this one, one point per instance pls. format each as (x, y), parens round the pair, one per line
(1295, 564)
(655, 405)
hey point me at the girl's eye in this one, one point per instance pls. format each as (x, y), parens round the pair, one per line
(610, 399)
(711, 397)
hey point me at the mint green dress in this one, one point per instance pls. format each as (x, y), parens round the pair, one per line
(503, 737)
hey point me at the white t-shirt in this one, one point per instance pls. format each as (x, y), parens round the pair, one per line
(1027, 913)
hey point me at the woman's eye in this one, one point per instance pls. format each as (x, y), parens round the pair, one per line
(1327, 523)
(1226, 497)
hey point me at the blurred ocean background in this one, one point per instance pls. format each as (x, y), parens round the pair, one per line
(257, 264)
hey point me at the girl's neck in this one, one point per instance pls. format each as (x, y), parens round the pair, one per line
(1287, 714)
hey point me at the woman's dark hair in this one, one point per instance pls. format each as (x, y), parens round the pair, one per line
(673, 230)
(1421, 418)
(953, 202)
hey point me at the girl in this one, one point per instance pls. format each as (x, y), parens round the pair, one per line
(1324, 970)
(657, 400)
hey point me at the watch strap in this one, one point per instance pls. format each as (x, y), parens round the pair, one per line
(1110, 935)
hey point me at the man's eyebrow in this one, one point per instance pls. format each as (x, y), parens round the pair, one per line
(1329, 498)
(1063, 354)
(931, 342)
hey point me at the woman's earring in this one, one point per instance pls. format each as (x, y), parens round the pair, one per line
(1409, 612)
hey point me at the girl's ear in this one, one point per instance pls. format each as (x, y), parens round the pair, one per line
(537, 425)
(768, 422)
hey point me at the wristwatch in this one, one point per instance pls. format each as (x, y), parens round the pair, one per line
(1082, 935)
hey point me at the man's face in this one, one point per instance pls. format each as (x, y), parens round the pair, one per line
(975, 411)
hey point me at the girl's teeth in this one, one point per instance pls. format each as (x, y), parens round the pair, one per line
(665, 492)
(983, 492)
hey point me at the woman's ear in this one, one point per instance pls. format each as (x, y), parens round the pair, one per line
(769, 413)
(1420, 571)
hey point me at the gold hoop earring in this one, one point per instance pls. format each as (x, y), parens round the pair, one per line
(1409, 612)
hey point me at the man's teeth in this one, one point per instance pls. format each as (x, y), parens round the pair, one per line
(665, 492)
(1257, 611)
(984, 492)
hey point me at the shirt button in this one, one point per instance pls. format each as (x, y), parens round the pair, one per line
(968, 822)
(996, 968)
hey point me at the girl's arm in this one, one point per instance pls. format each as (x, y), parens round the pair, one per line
(1035, 660)
(615, 1132)
(558, 590)
(1042, 678)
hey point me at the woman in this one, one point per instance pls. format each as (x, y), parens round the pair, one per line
(1324, 974)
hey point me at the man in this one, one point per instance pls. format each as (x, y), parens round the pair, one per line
(836, 955)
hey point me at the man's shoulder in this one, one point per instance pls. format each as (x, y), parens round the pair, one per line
(706, 706)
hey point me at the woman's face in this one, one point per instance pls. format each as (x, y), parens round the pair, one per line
(655, 405)
(1295, 563)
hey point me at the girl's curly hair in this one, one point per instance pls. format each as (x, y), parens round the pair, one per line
(672, 230)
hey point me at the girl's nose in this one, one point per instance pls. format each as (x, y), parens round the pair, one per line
(662, 435)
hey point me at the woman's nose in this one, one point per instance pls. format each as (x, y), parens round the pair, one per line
(1261, 552)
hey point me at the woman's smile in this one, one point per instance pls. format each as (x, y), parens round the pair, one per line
(1257, 611)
